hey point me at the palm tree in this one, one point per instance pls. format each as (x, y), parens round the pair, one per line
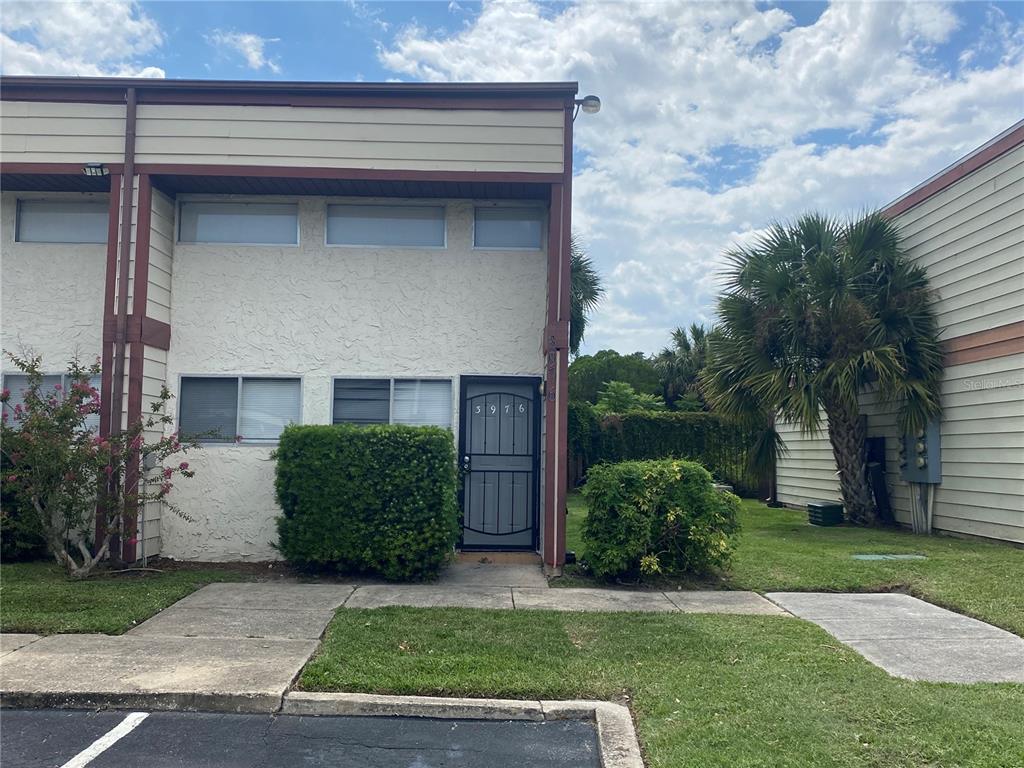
(814, 314)
(586, 292)
(679, 366)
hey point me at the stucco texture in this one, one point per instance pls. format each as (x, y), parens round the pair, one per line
(319, 312)
(51, 293)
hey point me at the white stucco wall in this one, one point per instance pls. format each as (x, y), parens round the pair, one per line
(319, 312)
(51, 294)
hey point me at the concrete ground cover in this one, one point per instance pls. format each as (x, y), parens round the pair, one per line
(208, 740)
(913, 639)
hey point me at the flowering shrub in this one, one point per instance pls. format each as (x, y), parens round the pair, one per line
(65, 474)
(657, 517)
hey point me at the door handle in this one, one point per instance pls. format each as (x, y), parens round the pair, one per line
(466, 463)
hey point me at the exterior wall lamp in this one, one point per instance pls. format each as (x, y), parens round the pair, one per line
(95, 169)
(589, 104)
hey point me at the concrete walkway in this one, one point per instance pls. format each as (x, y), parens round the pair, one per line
(913, 639)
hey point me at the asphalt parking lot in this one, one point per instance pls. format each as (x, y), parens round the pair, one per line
(108, 739)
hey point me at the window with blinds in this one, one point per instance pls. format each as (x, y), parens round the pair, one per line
(17, 383)
(418, 402)
(239, 223)
(62, 221)
(407, 226)
(508, 228)
(226, 409)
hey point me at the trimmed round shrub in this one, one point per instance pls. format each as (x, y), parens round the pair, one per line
(657, 517)
(377, 499)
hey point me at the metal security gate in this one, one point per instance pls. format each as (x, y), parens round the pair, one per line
(499, 446)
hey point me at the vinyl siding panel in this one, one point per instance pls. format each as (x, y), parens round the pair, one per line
(51, 132)
(407, 139)
(807, 471)
(161, 254)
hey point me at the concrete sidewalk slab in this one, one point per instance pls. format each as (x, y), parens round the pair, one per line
(239, 675)
(273, 596)
(573, 599)
(913, 639)
(468, 573)
(10, 641)
(709, 601)
(431, 596)
(179, 621)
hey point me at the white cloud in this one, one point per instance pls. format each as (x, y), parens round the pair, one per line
(719, 117)
(85, 39)
(252, 48)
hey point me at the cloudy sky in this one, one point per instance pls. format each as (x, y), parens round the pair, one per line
(718, 117)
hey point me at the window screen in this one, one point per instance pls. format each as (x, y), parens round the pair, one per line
(62, 221)
(508, 228)
(268, 406)
(422, 403)
(362, 401)
(208, 408)
(18, 383)
(241, 223)
(408, 225)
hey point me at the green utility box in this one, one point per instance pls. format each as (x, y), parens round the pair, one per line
(825, 513)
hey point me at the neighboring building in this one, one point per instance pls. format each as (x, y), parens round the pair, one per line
(302, 252)
(966, 226)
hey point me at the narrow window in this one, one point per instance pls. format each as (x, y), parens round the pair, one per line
(268, 406)
(515, 228)
(423, 402)
(362, 401)
(62, 221)
(386, 225)
(239, 223)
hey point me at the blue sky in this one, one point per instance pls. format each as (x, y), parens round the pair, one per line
(718, 117)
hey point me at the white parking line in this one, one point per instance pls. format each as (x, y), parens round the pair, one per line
(106, 741)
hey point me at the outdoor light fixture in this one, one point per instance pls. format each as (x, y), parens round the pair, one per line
(589, 104)
(95, 169)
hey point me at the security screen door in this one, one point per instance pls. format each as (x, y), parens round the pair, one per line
(499, 454)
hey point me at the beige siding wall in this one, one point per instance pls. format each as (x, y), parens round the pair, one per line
(970, 237)
(49, 132)
(161, 254)
(807, 471)
(411, 139)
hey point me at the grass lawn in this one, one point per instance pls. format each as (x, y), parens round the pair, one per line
(706, 690)
(779, 551)
(38, 598)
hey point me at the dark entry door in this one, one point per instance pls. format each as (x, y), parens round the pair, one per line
(499, 449)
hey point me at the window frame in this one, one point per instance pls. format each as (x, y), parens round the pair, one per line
(404, 204)
(88, 200)
(183, 201)
(64, 383)
(391, 394)
(240, 377)
(539, 209)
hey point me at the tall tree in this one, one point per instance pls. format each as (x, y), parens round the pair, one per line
(586, 292)
(813, 314)
(680, 365)
(589, 373)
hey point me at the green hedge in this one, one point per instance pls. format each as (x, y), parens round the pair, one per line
(657, 517)
(21, 534)
(377, 499)
(716, 442)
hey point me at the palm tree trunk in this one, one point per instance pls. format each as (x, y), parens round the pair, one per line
(848, 435)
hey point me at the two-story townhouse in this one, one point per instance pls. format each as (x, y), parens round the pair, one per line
(280, 253)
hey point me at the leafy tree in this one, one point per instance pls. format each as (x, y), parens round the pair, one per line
(620, 397)
(589, 373)
(65, 473)
(679, 367)
(586, 291)
(813, 314)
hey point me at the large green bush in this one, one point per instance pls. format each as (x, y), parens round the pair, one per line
(21, 535)
(378, 499)
(718, 443)
(657, 517)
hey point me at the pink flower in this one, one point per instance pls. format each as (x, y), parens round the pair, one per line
(133, 541)
(58, 388)
(168, 471)
(108, 469)
(12, 478)
(183, 466)
(165, 488)
(6, 393)
(137, 442)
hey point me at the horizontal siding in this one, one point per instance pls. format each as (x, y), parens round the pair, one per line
(970, 238)
(45, 132)
(161, 250)
(409, 139)
(807, 471)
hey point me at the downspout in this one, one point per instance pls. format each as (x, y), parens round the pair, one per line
(124, 256)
